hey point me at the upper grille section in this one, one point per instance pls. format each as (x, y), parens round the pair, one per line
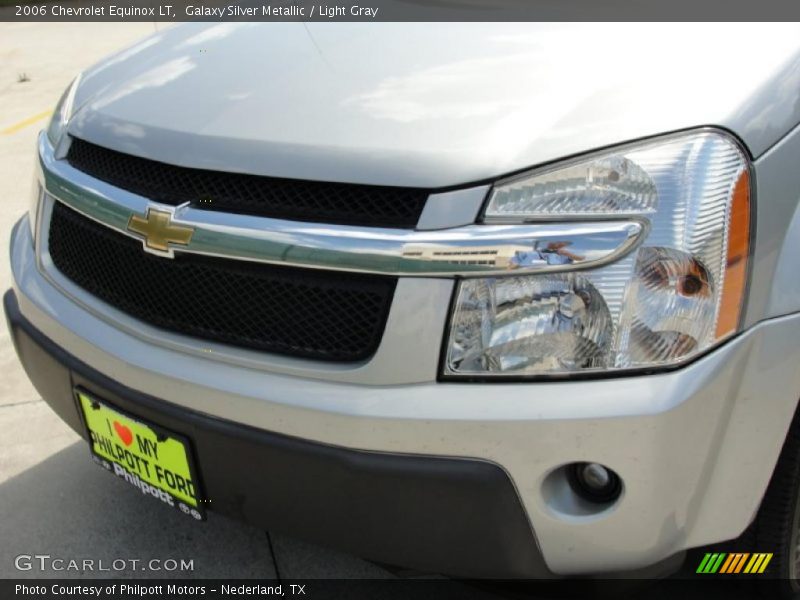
(292, 199)
(299, 312)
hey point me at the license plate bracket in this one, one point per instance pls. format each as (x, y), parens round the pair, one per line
(156, 461)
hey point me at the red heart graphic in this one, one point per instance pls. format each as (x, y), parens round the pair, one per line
(124, 433)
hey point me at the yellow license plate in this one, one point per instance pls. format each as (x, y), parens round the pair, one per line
(155, 461)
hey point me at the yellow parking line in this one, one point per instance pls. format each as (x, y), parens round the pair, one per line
(24, 123)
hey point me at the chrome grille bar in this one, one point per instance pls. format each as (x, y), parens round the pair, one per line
(467, 251)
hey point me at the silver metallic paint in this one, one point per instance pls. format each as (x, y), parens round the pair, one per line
(436, 104)
(775, 274)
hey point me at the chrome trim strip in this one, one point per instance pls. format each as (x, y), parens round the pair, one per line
(468, 251)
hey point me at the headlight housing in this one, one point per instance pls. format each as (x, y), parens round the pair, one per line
(62, 113)
(675, 296)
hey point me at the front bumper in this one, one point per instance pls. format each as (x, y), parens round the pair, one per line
(417, 511)
(695, 447)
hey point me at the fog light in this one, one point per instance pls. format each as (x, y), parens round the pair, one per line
(594, 482)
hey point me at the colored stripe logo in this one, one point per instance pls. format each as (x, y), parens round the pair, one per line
(734, 563)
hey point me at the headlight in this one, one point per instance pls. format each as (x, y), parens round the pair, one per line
(62, 113)
(678, 294)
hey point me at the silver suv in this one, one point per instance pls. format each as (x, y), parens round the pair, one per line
(488, 300)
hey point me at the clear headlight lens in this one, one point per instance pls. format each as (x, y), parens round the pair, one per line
(606, 185)
(679, 293)
(62, 113)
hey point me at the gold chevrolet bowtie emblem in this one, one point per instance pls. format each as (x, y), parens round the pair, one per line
(159, 231)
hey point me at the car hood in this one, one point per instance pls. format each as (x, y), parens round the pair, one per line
(431, 105)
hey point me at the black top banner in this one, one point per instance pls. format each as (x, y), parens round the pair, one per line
(401, 10)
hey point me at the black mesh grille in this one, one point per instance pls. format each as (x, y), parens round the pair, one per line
(292, 199)
(300, 312)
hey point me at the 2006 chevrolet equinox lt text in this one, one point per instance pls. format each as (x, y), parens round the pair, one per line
(473, 299)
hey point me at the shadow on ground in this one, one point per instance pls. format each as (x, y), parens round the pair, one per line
(67, 507)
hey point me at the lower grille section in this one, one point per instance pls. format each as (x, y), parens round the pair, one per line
(298, 312)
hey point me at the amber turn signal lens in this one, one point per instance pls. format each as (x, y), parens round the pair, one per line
(735, 280)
